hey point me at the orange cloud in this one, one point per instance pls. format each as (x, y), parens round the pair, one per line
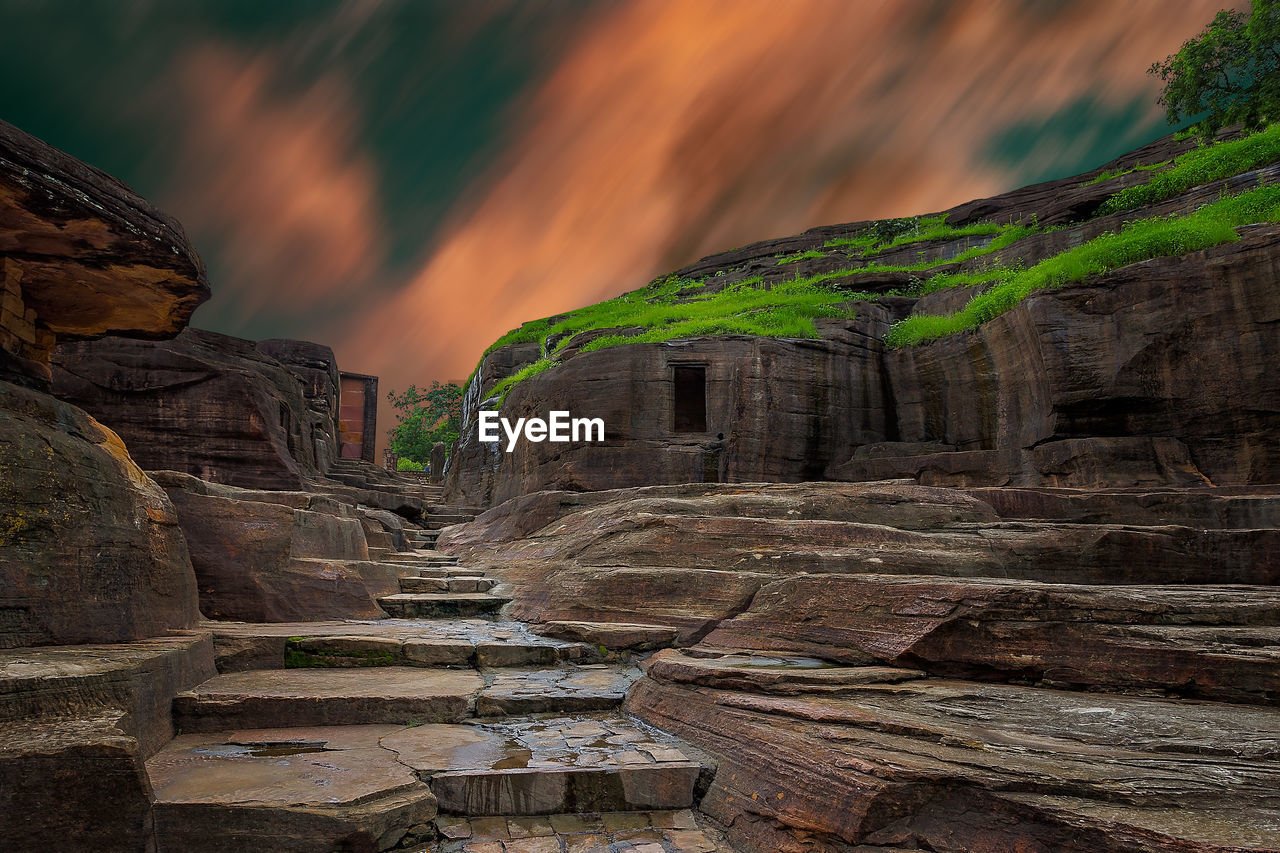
(277, 180)
(673, 129)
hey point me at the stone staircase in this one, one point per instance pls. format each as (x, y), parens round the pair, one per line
(441, 590)
(449, 731)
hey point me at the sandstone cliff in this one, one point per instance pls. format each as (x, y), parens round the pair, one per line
(90, 550)
(1156, 373)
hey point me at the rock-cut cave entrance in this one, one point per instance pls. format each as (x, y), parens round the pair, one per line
(690, 396)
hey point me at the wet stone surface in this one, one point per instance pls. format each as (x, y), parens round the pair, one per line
(548, 765)
(585, 688)
(667, 831)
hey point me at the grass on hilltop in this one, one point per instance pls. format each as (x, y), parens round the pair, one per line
(1211, 225)
(673, 307)
(892, 233)
(1200, 166)
(1112, 174)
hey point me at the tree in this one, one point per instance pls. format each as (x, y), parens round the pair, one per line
(1229, 73)
(425, 417)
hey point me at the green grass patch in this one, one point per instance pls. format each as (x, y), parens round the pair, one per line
(921, 229)
(1138, 241)
(1200, 166)
(1111, 175)
(505, 385)
(672, 308)
(800, 256)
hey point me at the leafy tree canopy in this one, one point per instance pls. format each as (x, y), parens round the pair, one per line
(425, 417)
(1229, 73)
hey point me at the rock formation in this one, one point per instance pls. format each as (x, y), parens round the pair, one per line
(1156, 374)
(220, 408)
(82, 257)
(1034, 604)
(89, 546)
(90, 549)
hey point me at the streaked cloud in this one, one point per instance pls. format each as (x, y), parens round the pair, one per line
(274, 178)
(673, 129)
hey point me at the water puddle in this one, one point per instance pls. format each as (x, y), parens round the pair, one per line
(261, 750)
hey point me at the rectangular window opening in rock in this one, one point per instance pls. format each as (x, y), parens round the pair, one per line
(689, 386)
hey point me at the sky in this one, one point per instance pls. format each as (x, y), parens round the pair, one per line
(405, 180)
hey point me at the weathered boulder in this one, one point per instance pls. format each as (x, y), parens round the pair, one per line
(76, 725)
(1214, 642)
(83, 256)
(220, 408)
(263, 556)
(90, 549)
(955, 766)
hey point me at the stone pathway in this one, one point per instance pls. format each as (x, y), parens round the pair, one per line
(611, 832)
(427, 734)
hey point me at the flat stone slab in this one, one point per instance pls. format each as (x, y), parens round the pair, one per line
(577, 689)
(664, 831)
(447, 584)
(1016, 762)
(318, 697)
(430, 571)
(611, 635)
(291, 789)
(544, 766)
(397, 642)
(445, 605)
(771, 674)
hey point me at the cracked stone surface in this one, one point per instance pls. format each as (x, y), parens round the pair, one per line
(665, 831)
(295, 789)
(590, 687)
(253, 777)
(549, 765)
(267, 698)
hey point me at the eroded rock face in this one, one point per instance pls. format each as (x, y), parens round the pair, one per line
(1154, 375)
(690, 556)
(810, 404)
(82, 257)
(1158, 373)
(894, 666)
(90, 549)
(956, 766)
(220, 408)
(277, 556)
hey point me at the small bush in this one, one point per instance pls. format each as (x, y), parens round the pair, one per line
(409, 465)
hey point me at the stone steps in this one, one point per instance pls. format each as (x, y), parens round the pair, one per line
(446, 584)
(449, 572)
(449, 605)
(520, 785)
(263, 699)
(390, 642)
(420, 557)
(637, 832)
(540, 766)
